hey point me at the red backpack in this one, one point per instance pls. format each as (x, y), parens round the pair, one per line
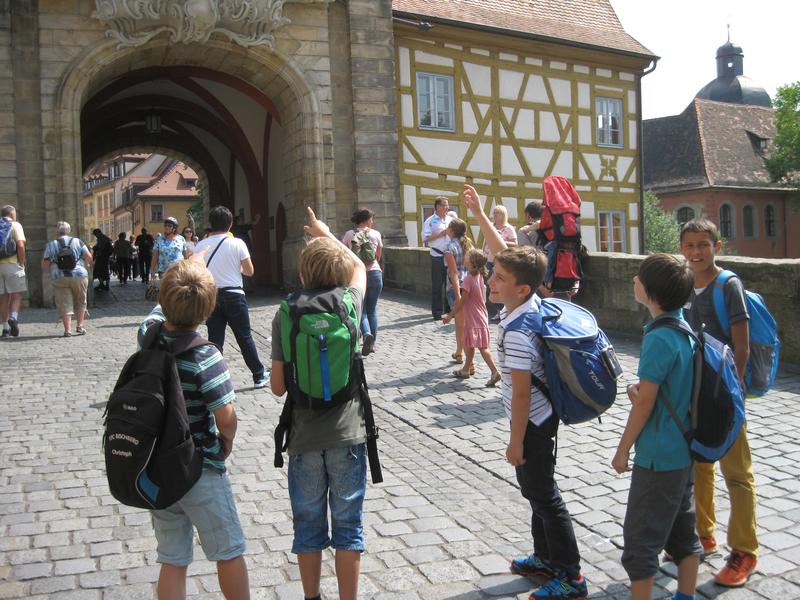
(560, 231)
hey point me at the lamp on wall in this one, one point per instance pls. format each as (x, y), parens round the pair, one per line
(152, 122)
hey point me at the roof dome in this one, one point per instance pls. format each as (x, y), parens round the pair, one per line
(731, 85)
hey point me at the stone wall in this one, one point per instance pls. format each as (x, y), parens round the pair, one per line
(608, 289)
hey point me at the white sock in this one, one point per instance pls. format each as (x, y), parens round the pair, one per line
(14, 314)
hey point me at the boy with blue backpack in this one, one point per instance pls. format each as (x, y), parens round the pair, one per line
(326, 416)
(518, 272)
(660, 512)
(719, 299)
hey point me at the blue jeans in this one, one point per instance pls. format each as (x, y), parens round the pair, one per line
(336, 476)
(231, 309)
(369, 316)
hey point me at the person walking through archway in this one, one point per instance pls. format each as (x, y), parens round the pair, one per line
(101, 252)
(168, 248)
(68, 257)
(228, 259)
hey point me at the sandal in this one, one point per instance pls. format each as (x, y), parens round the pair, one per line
(457, 358)
(495, 377)
(461, 374)
(80, 330)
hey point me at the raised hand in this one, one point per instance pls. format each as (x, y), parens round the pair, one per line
(472, 200)
(315, 227)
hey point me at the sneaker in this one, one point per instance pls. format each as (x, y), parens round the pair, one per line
(80, 330)
(532, 566)
(709, 545)
(261, 382)
(737, 570)
(67, 334)
(14, 327)
(562, 586)
(368, 345)
(6, 333)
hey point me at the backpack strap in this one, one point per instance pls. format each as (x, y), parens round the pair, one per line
(683, 327)
(530, 322)
(208, 262)
(719, 300)
(369, 422)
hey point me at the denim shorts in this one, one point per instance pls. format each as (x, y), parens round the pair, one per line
(336, 476)
(209, 507)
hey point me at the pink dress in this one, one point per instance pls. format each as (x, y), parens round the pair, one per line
(476, 319)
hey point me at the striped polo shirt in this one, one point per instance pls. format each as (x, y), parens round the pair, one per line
(207, 386)
(522, 351)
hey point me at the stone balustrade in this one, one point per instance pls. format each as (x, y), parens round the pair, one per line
(608, 288)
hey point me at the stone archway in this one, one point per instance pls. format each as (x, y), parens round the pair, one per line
(102, 76)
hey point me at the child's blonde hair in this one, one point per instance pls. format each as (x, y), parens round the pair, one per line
(478, 261)
(187, 294)
(325, 263)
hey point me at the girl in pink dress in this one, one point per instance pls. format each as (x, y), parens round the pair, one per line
(472, 305)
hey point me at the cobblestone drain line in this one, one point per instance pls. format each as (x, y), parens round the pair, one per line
(439, 527)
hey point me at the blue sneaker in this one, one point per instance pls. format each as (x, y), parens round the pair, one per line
(532, 566)
(262, 381)
(561, 587)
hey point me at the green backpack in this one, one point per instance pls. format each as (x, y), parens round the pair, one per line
(362, 246)
(319, 338)
(322, 363)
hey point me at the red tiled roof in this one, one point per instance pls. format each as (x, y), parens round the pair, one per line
(589, 22)
(174, 182)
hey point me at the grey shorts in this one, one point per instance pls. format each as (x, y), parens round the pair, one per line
(660, 516)
(210, 508)
(12, 279)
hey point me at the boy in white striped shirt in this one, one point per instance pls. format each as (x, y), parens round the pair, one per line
(518, 272)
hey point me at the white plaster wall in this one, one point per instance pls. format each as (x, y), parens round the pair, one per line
(633, 211)
(548, 130)
(405, 67)
(508, 162)
(587, 209)
(431, 59)
(584, 97)
(412, 233)
(407, 110)
(634, 240)
(584, 130)
(589, 238)
(479, 78)
(535, 91)
(482, 160)
(468, 122)
(633, 135)
(510, 83)
(537, 159)
(523, 130)
(563, 165)
(562, 93)
(440, 152)
(409, 199)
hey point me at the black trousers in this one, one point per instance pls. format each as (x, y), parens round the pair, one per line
(144, 266)
(439, 304)
(551, 523)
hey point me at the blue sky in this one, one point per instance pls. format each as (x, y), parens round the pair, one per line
(687, 33)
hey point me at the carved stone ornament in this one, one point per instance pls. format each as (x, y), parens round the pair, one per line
(246, 22)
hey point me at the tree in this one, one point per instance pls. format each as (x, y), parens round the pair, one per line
(784, 162)
(661, 231)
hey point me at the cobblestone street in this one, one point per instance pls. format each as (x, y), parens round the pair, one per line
(443, 525)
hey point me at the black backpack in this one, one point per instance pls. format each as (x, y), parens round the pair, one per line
(66, 259)
(151, 458)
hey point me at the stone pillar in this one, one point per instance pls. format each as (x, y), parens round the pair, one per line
(27, 120)
(374, 98)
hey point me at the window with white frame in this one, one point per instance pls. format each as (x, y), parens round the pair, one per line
(609, 121)
(156, 213)
(611, 230)
(770, 230)
(749, 225)
(726, 229)
(435, 105)
(684, 214)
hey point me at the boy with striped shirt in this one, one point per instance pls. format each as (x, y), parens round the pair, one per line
(186, 298)
(518, 272)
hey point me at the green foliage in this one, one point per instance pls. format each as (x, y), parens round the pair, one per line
(195, 212)
(784, 162)
(661, 232)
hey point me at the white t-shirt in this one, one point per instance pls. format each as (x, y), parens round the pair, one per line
(226, 268)
(522, 351)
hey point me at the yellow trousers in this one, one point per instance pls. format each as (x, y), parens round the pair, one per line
(737, 469)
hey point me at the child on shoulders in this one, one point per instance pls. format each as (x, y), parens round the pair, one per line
(518, 272)
(472, 305)
(660, 512)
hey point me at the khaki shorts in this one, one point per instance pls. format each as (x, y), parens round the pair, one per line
(69, 294)
(12, 279)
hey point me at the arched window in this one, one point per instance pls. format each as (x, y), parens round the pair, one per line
(684, 214)
(769, 221)
(726, 221)
(749, 222)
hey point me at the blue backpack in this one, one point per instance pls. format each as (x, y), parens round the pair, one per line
(765, 347)
(717, 403)
(580, 365)
(8, 247)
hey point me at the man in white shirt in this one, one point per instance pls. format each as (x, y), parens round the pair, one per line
(228, 259)
(434, 234)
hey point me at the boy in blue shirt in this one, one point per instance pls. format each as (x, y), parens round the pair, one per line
(517, 274)
(660, 513)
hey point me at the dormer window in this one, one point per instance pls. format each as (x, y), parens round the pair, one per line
(759, 143)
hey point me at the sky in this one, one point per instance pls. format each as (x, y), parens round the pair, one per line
(687, 33)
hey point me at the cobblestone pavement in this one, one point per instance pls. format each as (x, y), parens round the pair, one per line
(442, 525)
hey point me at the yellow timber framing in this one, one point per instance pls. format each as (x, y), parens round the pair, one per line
(424, 177)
